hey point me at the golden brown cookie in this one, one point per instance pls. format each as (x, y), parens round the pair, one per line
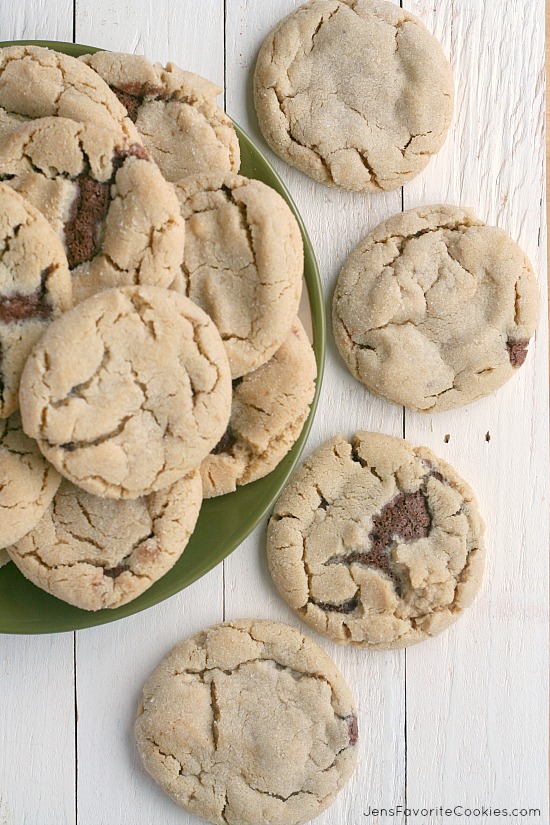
(128, 392)
(376, 543)
(248, 722)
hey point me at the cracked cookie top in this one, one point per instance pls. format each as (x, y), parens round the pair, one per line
(127, 392)
(355, 93)
(117, 217)
(434, 309)
(243, 263)
(376, 543)
(175, 113)
(27, 483)
(61, 85)
(270, 406)
(98, 553)
(248, 722)
(35, 287)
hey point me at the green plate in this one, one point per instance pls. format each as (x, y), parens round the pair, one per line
(224, 522)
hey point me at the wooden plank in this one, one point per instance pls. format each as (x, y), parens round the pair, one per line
(114, 661)
(37, 747)
(476, 696)
(336, 221)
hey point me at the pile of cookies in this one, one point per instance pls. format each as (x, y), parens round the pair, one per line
(150, 349)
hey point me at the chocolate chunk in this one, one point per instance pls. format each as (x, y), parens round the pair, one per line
(344, 607)
(353, 732)
(82, 230)
(437, 475)
(21, 307)
(406, 516)
(131, 102)
(517, 352)
(225, 443)
(113, 572)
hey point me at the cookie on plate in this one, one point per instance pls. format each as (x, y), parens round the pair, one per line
(127, 392)
(357, 95)
(243, 263)
(376, 543)
(27, 483)
(434, 309)
(175, 113)
(117, 217)
(248, 722)
(35, 287)
(96, 553)
(269, 409)
(38, 82)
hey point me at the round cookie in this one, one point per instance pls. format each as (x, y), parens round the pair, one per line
(248, 722)
(243, 263)
(35, 287)
(434, 309)
(355, 93)
(269, 409)
(27, 483)
(175, 113)
(127, 392)
(118, 218)
(96, 553)
(376, 543)
(37, 82)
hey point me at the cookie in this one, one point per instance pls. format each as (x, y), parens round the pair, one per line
(355, 93)
(248, 722)
(434, 309)
(27, 483)
(243, 263)
(117, 217)
(36, 82)
(376, 543)
(175, 113)
(269, 409)
(35, 287)
(97, 553)
(127, 392)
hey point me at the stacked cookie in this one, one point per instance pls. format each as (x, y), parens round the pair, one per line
(120, 198)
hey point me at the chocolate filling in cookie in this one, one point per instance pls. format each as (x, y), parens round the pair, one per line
(89, 209)
(352, 730)
(225, 443)
(517, 352)
(132, 96)
(22, 307)
(406, 516)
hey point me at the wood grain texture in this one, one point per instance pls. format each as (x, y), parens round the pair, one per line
(461, 719)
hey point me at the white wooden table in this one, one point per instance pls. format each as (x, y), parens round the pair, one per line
(458, 720)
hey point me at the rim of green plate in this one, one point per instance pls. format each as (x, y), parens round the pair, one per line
(40, 613)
